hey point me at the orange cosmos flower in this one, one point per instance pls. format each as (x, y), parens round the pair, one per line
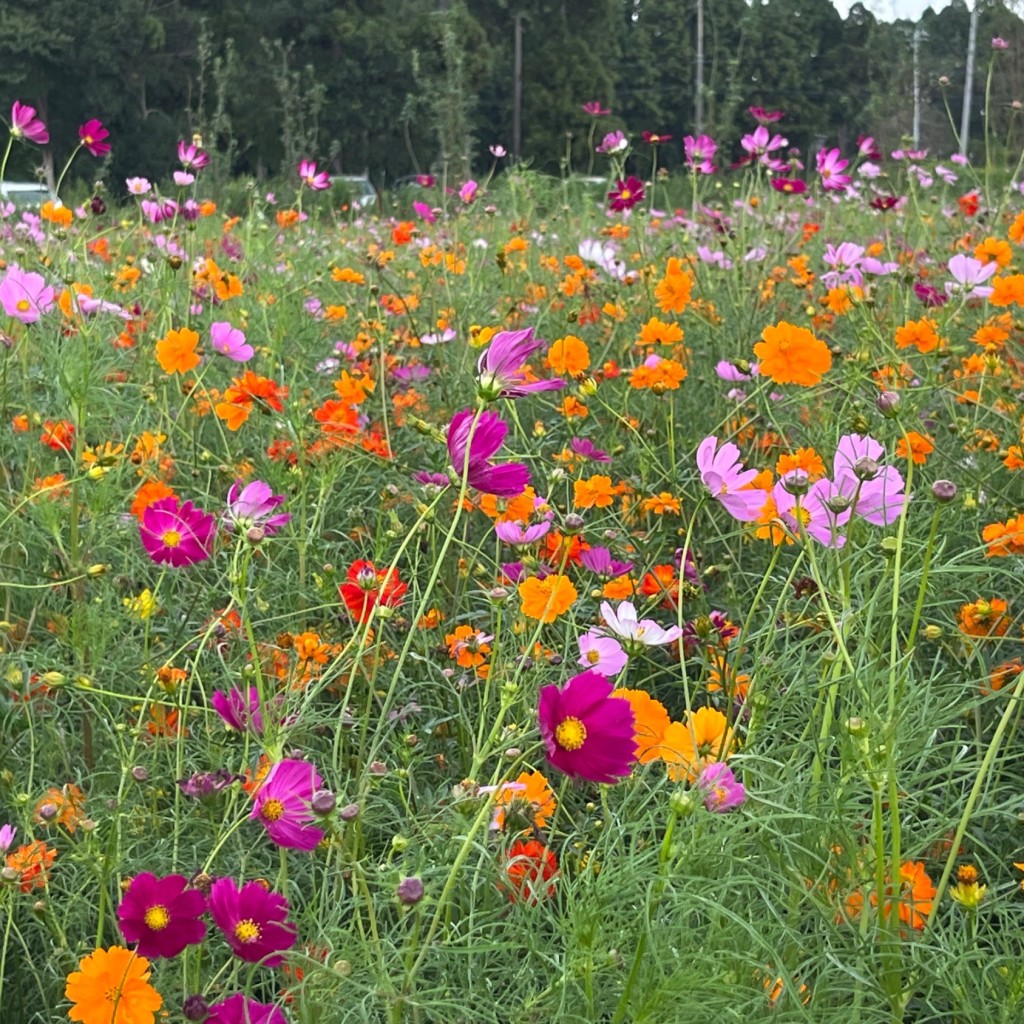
(468, 647)
(792, 355)
(650, 723)
(1007, 291)
(546, 599)
(919, 448)
(673, 290)
(149, 492)
(1004, 538)
(58, 435)
(32, 863)
(662, 504)
(111, 986)
(806, 459)
(176, 351)
(56, 213)
(994, 250)
(984, 617)
(658, 332)
(595, 492)
(524, 803)
(920, 334)
(247, 391)
(660, 375)
(569, 355)
(65, 807)
(690, 746)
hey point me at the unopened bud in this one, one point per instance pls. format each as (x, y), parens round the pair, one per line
(410, 891)
(255, 534)
(96, 570)
(349, 812)
(932, 632)
(887, 403)
(944, 491)
(866, 468)
(796, 482)
(139, 773)
(323, 801)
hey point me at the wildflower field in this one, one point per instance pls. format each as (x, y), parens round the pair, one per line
(531, 603)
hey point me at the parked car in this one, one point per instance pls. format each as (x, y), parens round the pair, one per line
(26, 195)
(361, 193)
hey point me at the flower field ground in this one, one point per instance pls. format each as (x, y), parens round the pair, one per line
(524, 606)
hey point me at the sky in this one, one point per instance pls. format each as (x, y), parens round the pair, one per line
(890, 10)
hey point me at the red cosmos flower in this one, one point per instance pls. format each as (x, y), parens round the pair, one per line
(368, 587)
(92, 134)
(883, 203)
(58, 435)
(532, 870)
(626, 194)
(968, 204)
(791, 186)
(653, 138)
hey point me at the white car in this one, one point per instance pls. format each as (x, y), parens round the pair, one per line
(362, 194)
(26, 195)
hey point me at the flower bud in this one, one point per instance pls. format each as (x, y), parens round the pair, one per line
(399, 843)
(96, 570)
(574, 523)
(195, 1008)
(323, 801)
(944, 491)
(866, 468)
(932, 632)
(140, 773)
(410, 891)
(796, 482)
(48, 812)
(887, 403)
(255, 534)
(349, 812)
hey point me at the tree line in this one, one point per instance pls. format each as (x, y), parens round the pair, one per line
(398, 87)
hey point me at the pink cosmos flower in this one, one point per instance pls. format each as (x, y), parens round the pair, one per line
(830, 167)
(25, 124)
(594, 109)
(311, 178)
(613, 142)
(25, 295)
(425, 212)
(724, 476)
(999, 43)
(230, 341)
(812, 514)
(498, 151)
(240, 1009)
(177, 536)
(239, 710)
(602, 654)
(252, 505)
(969, 276)
(191, 156)
(519, 534)
(719, 788)
(700, 153)
(875, 490)
(138, 186)
(253, 920)
(283, 805)
(472, 440)
(626, 194)
(162, 915)
(183, 179)
(587, 732)
(7, 834)
(635, 634)
(845, 261)
(763, 116)
(501, 369)
(760, 144)
(92, 134)
(468, 191)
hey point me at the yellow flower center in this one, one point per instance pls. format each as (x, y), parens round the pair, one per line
(88, 140)
(23, 305)
(625, 194)
(272, 810)
(247, 931)
(571, 733)
(171, 539)
(593, 657)
(157, 918)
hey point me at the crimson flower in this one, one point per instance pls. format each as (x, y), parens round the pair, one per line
(240, 1009)
(368, 587)
(594, 109)
(532, 869)
(587, 732)
(162, 915)
(791, 186)
(626, 194)
(92, 134)
(655, 137)
(253, 920)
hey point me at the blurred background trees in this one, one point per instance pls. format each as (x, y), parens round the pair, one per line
(394, 87)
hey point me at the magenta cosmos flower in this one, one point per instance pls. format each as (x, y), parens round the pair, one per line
(587, 733)
(240, 1009)
(789, 186)
(700, 153)
(177, 536)
(724, 476)
(191, 155)
(472, 440)
(501, 368)
(830, 167)
(25, 124)
(253, 505)
(311, 178)
(594, 109)
(253, 920)
(719, 788)
(25, 295)
(239, 710)
(162, 915)
(92, 134)
(626, 194)
(230, 341)
(283, 805)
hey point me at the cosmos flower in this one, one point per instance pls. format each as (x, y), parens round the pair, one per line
(92, 134)
(626, 194)
(587, 732)
(253, 921)
(239, 710)
(253, 505)
(240, 1009)
(25, 295)
(111, 986)
(725, 478)
(599, 653)
(367, 587)
(230, 341)
(25, 124)
(719, 788)
(622, 623)
(472, 440)
(501, 368)
(700, 153)
(313, 179)
(162, 915)
(177, 536)
(283, 805)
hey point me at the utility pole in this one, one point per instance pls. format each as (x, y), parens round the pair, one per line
(517, 88)
(965, 117)
(698, 90)
(919, 34)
